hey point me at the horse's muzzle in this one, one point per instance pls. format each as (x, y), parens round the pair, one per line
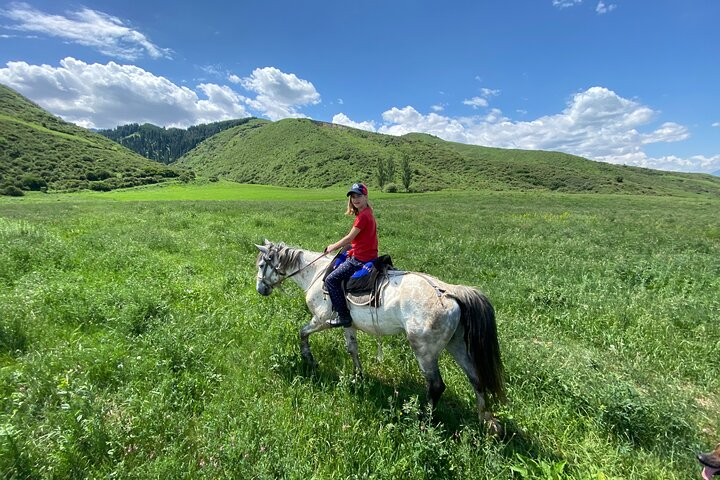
(263, 289)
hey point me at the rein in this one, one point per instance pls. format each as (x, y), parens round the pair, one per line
(285, 277)
(306, 266)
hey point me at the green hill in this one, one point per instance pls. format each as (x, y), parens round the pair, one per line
(307, 153)
(39, 151)
(165, 145)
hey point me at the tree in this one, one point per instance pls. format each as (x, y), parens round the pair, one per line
(390, 170)
(381, 172)
(406, 173)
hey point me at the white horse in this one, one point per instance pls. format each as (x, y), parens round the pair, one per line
(432, 314)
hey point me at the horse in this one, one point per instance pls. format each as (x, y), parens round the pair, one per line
(432, 314)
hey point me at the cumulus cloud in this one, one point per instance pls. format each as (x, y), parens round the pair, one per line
(342, 119)
(399, 121)
(107, 95)
(476, 102)
(603, 8)
(91, 28)
(597, 124)
(482, 100)
(278, 93)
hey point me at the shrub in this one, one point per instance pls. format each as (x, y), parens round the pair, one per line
(12, 191)
(100, 186)
(33, 182)
(392, 188)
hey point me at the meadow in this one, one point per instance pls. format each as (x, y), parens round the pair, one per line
(133, 343)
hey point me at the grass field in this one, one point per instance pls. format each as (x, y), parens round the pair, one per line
(133, 343)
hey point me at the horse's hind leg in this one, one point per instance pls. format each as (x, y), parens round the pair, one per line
(352, 348)
(459, 352)
(313, 326)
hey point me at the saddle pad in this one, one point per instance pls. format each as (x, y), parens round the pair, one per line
(362, 300)
(372, 298)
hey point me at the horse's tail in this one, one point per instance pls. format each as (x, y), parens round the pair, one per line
(477, 316)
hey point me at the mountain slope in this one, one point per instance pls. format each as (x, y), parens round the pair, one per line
(165, 145)
(306, 153)
(39, 150)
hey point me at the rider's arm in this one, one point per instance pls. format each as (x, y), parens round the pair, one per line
(345, 241)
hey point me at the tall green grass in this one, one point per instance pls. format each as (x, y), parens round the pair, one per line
(133, 343)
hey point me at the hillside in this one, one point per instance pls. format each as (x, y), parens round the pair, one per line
(307, 153)
(165, 145)
(39, 151)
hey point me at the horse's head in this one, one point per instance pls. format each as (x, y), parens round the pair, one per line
(269, 274)
(273, 261)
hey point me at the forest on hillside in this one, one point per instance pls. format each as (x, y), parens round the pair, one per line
(165, 145)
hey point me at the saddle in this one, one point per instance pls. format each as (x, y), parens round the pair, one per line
(365, 285)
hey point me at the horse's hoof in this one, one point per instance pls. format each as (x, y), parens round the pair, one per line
(494, 428)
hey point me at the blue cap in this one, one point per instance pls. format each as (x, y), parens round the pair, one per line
(357, 188)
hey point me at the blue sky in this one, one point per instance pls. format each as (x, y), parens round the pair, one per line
(630, 82)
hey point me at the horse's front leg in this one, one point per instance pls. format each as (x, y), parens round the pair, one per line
(352, 348)
(313, 326)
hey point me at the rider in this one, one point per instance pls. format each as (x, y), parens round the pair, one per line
(363, 241)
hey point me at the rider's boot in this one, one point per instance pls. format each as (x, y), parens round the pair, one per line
(340, 320)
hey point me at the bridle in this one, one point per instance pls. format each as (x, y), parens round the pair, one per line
(283, 276)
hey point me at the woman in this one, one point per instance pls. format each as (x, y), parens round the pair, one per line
(363, 241)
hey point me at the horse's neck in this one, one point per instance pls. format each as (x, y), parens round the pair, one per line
(311, 267)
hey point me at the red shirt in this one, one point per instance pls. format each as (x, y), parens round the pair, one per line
(365, 245)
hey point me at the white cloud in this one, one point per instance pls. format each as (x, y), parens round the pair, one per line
(566, 3)
(91, 28)
(437, 108)
(597, 124)
(476, 102)
(104, 96)
(399, 121)
(107, 95)
(602, 8)
(482, 100)
(279, 94)
(342, 119)
(716, 124)
(695, 163)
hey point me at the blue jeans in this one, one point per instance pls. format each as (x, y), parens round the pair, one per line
(333, 283)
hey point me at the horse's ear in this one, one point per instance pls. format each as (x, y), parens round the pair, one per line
(262, 249)
(267, 242)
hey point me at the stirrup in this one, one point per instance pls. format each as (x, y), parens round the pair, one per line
(339, 322)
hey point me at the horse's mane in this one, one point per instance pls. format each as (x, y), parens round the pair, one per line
(287, 257)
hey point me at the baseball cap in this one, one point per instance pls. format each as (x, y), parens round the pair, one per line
(358, 188)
